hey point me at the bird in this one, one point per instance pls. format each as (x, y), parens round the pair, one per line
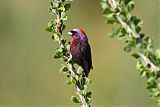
(80, 50)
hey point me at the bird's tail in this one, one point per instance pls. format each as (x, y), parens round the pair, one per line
(85, 73)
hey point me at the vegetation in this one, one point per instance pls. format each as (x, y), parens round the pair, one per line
(128, 28)
(56, 27)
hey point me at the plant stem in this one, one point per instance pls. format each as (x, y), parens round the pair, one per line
(58, 29)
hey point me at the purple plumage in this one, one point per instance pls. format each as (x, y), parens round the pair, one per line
(80, 50)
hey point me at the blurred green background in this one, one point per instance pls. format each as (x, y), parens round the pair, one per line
(29, 75)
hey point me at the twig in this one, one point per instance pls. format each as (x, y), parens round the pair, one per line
(148, 59)
(58, 29)
(115, 4)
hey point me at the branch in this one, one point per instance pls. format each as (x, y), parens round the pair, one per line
(59, 8)
(129, 30)
(114, 4)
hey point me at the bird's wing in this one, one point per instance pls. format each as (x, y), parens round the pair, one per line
(86, 55)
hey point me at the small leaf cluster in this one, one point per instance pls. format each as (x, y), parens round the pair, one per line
(86, 95)
(129, 30)
(59, 9)
(56, 26)
(82, 83)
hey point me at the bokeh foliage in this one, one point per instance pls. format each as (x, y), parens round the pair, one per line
(129, 30)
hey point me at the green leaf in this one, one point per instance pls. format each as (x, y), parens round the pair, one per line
(63, 16)
(83, 83)
(58, 53)
(88, 81)
(136, 24)
(138, 29)
(70, 60)
(52, 37)
(149, 42)
(141, 68)
(154, 92)
(123, 15)
(54, 11)
(67, 7)
(104, 5)
(63, 69)
(125, 2)
(68, 46)
(114, 32)
(142, 35)
(135, 55)
(127, 48)
(152, 58)
(73, 80)
(83, 80)
(151, 83)
(63, 1)
(55, 37)
(48, 28)
(51, 3)
(130, 6)
(107, 11)
(55, 5)
(50, 24)
(75, 99)
(57, 56)
(63, 27)
(153, 74)
(111, 21)
(68, 82)
(135, 20)
(157, 53)
(79, 70)
(88, 95)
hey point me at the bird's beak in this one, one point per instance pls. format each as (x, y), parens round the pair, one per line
(70, 33)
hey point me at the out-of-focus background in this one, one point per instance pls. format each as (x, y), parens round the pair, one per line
(29, 75)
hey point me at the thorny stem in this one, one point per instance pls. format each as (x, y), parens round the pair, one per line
(115, 4)
(58, 29)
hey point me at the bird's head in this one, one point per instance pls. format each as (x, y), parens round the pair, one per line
(78, 34)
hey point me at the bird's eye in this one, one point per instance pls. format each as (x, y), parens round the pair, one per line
(73, 32)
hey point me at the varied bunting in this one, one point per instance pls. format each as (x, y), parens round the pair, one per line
(80, 50)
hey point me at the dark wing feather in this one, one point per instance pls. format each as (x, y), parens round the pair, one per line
(86, 56)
